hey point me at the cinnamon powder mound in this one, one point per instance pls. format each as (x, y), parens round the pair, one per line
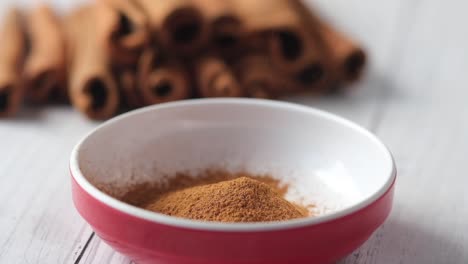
(238, 200)
(141, 194)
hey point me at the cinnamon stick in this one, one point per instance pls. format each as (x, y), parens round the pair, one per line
(215, 78)
(258, 77)
(12, 53)
(128, 86)
(178, 24)
(92, 87)
(347, 58)
(305, 79)
(225, 26)
(159, 81)
(123, 29)
(291, 47)
(44, 69)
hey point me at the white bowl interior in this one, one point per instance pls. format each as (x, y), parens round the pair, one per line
(326, 160)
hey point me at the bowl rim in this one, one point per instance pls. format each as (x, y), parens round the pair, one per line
(238, 227)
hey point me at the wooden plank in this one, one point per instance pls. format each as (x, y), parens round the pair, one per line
(37, 220)
(424, 122)
(100, 252)
(372, 23)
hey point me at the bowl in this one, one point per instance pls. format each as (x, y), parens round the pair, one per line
(337, 165)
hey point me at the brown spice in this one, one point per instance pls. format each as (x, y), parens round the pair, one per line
(216, 195)
(12, 55)
(141, 194)
(241, 199)
(92, 87)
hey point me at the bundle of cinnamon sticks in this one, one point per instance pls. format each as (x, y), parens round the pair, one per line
(122, 54)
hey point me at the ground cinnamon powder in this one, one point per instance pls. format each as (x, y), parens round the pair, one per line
(218, 196)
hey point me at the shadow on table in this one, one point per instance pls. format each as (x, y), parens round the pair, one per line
(31, 113)
(404, 242)
(374, 86)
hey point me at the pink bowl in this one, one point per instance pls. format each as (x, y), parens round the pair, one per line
(335, 163)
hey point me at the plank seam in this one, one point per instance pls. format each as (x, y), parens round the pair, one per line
(78, 259)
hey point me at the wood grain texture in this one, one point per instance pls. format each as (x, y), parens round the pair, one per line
(37, 220)
(424, 121)
(414, 97)
(100, 252)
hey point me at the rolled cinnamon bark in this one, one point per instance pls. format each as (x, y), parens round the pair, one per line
(44, 69)
(225, 27)
(215, 79)
(160, 82)
(128, 86)
(291, 46)
(12, 53)
(347, 58)
(306, 79)
(258, 78)
(123, 29)
(92, 87)
(179, 25)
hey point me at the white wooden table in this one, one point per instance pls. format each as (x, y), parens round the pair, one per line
(414, 97)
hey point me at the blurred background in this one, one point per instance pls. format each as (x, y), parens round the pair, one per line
(412, 94)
